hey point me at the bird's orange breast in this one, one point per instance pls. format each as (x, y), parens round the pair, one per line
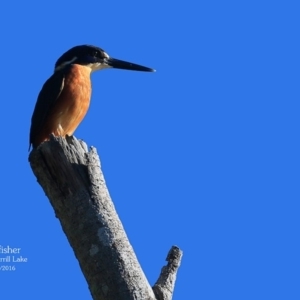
(73, 102)
(71, 106)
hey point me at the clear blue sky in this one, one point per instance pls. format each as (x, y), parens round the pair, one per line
(202, 154)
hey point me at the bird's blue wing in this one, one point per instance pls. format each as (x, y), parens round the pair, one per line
(46, 99)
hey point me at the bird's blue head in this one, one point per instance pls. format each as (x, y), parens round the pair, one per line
(95, 58)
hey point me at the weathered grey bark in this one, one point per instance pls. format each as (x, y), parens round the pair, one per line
(164, 286)
(72, 179)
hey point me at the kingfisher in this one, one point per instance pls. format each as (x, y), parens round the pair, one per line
(65, 97)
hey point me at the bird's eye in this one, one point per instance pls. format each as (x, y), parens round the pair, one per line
(95, 53)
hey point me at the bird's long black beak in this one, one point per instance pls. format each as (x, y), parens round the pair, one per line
(120, 64)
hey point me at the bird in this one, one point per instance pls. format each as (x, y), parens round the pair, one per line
(65, 97)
